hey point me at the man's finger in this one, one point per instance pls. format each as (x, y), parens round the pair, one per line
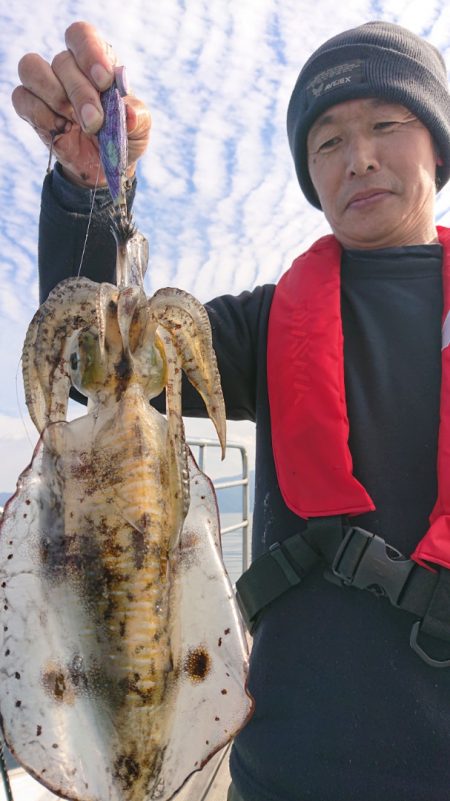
(39, 79)
(42, 118)
(94, 57)
(139, 120)
(138, 126)
(82, 95)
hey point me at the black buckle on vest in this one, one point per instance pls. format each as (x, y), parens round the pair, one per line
(291, 577)
(363, 560)
(435, 619)
(414, 643)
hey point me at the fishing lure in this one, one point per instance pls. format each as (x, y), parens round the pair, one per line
(132, 247)
(113, 139)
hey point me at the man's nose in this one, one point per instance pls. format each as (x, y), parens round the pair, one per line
(361, 156)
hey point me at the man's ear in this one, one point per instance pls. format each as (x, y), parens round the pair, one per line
(439, 163)
(437, 155)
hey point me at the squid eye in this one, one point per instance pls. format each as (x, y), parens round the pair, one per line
(74, 361)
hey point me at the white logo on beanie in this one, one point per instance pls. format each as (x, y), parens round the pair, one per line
(334, 77)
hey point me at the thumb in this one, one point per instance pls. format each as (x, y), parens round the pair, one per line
(139, 120)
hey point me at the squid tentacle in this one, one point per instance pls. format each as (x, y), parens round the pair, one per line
(175, 427)
(73, 304)
(188, 323)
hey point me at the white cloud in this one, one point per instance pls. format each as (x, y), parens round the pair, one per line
(218, 198)
(15, 429)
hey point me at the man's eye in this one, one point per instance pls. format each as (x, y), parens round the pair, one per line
(385, 125)
(328, 144)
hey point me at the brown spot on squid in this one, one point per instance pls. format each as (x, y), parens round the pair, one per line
(127, 770)
(197, 664)
(58, 685)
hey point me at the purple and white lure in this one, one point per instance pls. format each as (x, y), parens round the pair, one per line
(113, 137)
(132, 247)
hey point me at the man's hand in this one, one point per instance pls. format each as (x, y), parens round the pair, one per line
(61, 102)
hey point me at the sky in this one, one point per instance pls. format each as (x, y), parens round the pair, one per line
(217, 195)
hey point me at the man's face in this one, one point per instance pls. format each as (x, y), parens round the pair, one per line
(373, 166)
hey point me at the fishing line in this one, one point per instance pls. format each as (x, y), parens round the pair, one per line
(22, 418)
(91, 211)
(4, 773)
(53, 133)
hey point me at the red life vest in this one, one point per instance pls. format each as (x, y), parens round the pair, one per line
(310, 429)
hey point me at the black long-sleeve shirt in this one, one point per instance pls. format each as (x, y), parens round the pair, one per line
(345, 710)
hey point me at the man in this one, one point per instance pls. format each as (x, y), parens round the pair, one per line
(345, 709)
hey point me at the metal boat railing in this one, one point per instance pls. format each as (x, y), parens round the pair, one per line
(243, 481)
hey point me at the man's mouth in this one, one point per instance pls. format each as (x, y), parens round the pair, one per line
(363, 199)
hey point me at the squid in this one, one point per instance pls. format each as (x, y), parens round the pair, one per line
(123, 659)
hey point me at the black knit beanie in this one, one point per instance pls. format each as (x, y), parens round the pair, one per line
(378, 59)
